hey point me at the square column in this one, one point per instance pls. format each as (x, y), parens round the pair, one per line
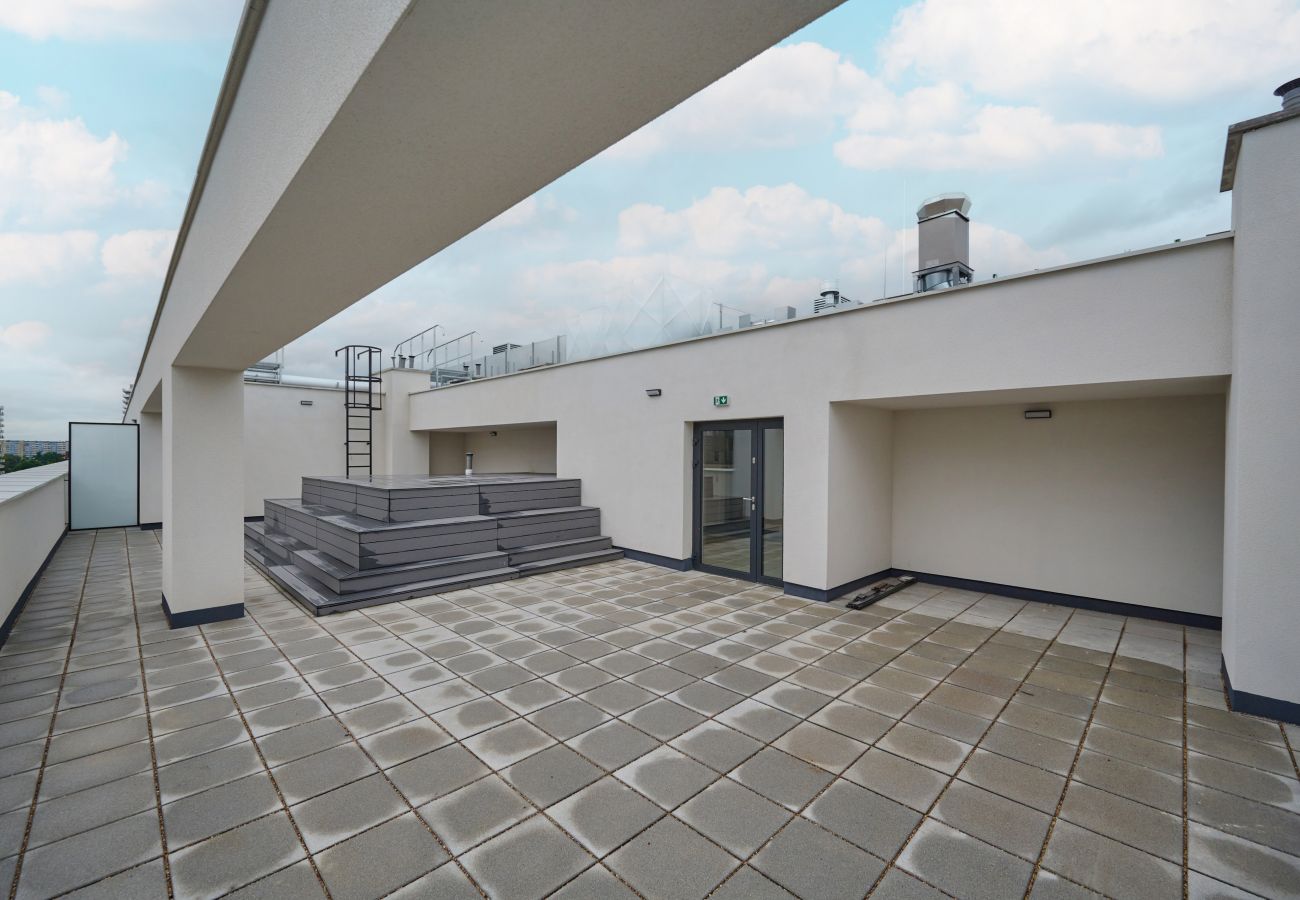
(1261, 554)
(202, 495)
(151, 441)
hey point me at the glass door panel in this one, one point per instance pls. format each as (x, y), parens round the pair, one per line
(739, 485)
(726, 498)
(772, 499)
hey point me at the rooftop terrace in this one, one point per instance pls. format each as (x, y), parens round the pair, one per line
(619, 730)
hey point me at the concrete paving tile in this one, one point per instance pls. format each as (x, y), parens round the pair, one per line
(1121, 819)
(667, 777)
(271, 693)
(404, 742)
(820, 746)
(1110, 867)
(305, 778)
(551, 775)
(285, 715)
(717, 746)
(758, 720)
(1242, 863)
(89, 856)
(733, 816)
(1126, 779)
(179, 745)
(476, 812)
(296, 882)
(613, 744)
(334, 816)
(863, 817)
(301, 740)
(146, 880)
(579, 677)
(1259, 822)
(1026, 784)
(375, 862)
(663, 719)
(780, 777)
(900, 885)
(993, 819)
(899, 779)
(958, 863)
(1027, 747)
(528, 861)
(1259, 754)
(436, 774)
(447, 882)
(207, 770)
(568, 718)
(224, 806)
(365, 720)
(747, 883)
(1051, 886)
(925, 747)
(671, 861)
(808, 862)
(504, 745)
(475, 716)
(742, 680)
(85, 741)
(604, 815)
(96, 769)
(597, 883)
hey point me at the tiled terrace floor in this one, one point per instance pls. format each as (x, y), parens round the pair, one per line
(624, 730)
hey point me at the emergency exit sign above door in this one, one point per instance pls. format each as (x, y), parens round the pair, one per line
(721, 400)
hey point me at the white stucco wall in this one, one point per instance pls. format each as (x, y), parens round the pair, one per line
(860, 493)
(1148, 317)
(150, 468)
(284, 440)
(529, 449)
(1261, 588)
(33, 515)
(1120, 500)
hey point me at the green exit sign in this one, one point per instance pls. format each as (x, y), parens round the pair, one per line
(721, 400)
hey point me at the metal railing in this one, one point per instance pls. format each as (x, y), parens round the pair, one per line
(415, 352)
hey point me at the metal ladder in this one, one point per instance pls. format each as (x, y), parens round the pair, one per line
(360, 400)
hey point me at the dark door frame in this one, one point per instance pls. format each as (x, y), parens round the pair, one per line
(758, 482)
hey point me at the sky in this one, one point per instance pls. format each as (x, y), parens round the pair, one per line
(1079, 128)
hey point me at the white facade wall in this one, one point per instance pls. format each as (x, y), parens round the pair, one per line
(528, 449)
(1116, 499)
(33, 516)
(1151, 317)
(1261, 588)
(284, 440)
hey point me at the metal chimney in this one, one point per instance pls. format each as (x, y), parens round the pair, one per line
(943, 242)
(1290, 94)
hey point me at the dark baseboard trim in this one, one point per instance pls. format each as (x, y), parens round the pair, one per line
(12, 619)
(668, 562)
(1176, 616)
(825, 595)
(254, 518)
(1258, 704)
(204, 616)
(151, 526)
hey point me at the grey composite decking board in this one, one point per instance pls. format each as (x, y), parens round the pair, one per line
(342, 580)
(409, 536)
(556, 549)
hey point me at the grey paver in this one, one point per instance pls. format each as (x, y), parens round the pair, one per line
(476, 812)
(551, 775)
(334, 816)
(671, 861)
(960, 864)
(89, 856)
(530, 860)
(802, 859)
(604, 815)
(380, 860)
(863, 817)
(734, 816)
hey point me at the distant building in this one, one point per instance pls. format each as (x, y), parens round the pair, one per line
(28, 449)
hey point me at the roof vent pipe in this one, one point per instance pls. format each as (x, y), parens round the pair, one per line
(943, 242)
(1290, 94)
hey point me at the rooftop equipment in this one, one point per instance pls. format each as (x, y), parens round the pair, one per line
(1290, 94)
(829, 298)
(943, 242)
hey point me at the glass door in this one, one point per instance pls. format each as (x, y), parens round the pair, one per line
(738, 487)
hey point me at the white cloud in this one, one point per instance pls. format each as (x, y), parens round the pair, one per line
(23, 336)
(39, 257)
(110, 19)
(1160, 50)
(784, 97)
(728, 221)
(937, 128)
(535, 212)
(53, 170)
(803, 93)
(143, 253)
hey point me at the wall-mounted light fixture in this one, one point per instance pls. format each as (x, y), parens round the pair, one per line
(305, 402)
(1038, 414)
(653, 392)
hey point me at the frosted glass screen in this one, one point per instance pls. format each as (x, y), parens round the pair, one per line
(103, 475)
